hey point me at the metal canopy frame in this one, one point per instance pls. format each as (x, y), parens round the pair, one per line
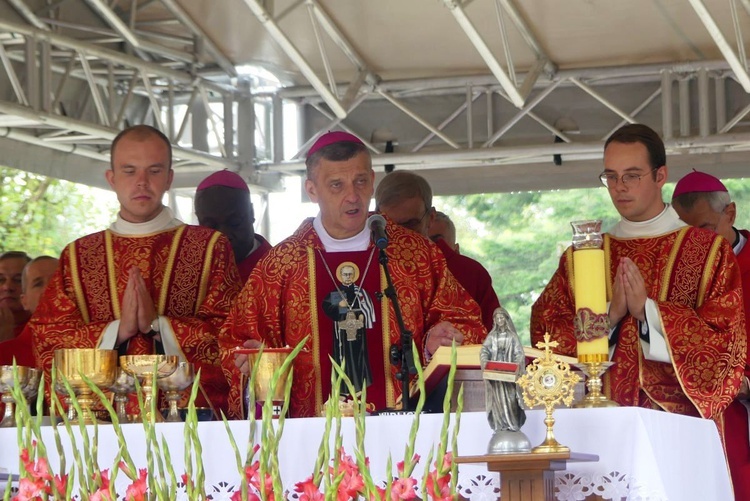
(69, 84)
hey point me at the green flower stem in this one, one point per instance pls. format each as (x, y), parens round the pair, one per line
(172, 490)
(454, 442)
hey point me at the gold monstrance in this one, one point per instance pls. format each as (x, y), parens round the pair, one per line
(548, 381)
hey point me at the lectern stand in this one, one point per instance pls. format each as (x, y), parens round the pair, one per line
(530, 476)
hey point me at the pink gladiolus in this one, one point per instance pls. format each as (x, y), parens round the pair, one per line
(103, 479)
(400, 464)
(308, 491)
(124, 468)
(438, 487)
(379, 494)
(61, 483)
(237, 496)
(447, 461)
(101, 494)
(30, 490)
(139, 488)
(403, 488)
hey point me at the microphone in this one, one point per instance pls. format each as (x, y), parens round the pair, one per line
(376, 223)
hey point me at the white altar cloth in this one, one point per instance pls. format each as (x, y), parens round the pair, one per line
(643, 454)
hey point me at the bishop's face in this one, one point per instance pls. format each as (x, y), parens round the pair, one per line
(343, 191)
(638, 200)
(140, 175)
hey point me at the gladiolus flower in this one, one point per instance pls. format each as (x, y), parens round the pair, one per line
(308, 491)
(139, 488)
(403, 488)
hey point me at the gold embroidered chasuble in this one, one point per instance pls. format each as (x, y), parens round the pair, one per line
(192, 277)
(693, 277)
(282, 303)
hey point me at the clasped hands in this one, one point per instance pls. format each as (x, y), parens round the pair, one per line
(628, 293)
(138, 311)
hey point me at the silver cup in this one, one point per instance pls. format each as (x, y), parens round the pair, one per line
(6, 386)
(178, 381)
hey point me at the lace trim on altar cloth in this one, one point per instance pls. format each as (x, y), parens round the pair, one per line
(615, 486)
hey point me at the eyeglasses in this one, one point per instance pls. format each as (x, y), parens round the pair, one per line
(630, 180)
(411, 224)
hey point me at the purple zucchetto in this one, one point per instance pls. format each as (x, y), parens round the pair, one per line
(698, 182)
(224, 178)
(331, 138)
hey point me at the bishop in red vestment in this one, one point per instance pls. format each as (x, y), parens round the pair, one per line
(677, 337)
(222, 202)
(325, 282)
(703, 201)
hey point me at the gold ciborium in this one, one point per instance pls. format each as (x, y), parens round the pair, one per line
(268, 361)
(145, 368)
(173, 384)
(99, 366)
(6, 386)
(123, 386)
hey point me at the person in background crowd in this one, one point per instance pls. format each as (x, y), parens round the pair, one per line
(333, 255)
(148, 284)
(34, 279)
(701, 200)
(406, 198)
(443, 228)
(13, 317)
(222, 202)
(676, 324)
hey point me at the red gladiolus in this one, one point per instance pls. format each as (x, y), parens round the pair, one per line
(403, 488)
(139, 488)
(308, 491)
(31, 490)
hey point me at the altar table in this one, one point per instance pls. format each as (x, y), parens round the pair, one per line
(644, 454)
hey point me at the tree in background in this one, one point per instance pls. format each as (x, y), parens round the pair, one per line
(519, 237)
(40, 215)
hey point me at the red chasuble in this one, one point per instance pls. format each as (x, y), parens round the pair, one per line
(694, 278)
(192, 279)
(246, 266)
(283, 300)
(736, 418)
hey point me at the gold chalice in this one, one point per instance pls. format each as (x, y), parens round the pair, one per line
(99, 366)
(268, 361)
(123, 386)
(145, 368)
(6, 386)
(180, 379)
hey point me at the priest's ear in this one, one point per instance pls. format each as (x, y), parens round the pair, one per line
(660, 175)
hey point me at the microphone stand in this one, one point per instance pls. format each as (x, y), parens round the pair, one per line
(404, 354)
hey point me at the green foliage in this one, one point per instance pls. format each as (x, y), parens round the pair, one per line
(40, 215)
(519, 237)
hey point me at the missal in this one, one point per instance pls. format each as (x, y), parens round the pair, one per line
(467, 358)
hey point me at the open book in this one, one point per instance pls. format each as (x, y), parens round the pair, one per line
(467, 358)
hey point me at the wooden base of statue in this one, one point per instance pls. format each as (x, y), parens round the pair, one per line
(529, 476)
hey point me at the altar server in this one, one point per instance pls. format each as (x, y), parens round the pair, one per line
(677, 335)
(147, 284)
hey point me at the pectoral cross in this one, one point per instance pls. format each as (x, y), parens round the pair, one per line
(351, 325)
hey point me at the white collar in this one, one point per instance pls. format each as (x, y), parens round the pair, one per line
(359, 242)
(165, 220)
(740, 245)
(667, 221)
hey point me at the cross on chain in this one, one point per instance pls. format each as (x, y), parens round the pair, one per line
(351, 325)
